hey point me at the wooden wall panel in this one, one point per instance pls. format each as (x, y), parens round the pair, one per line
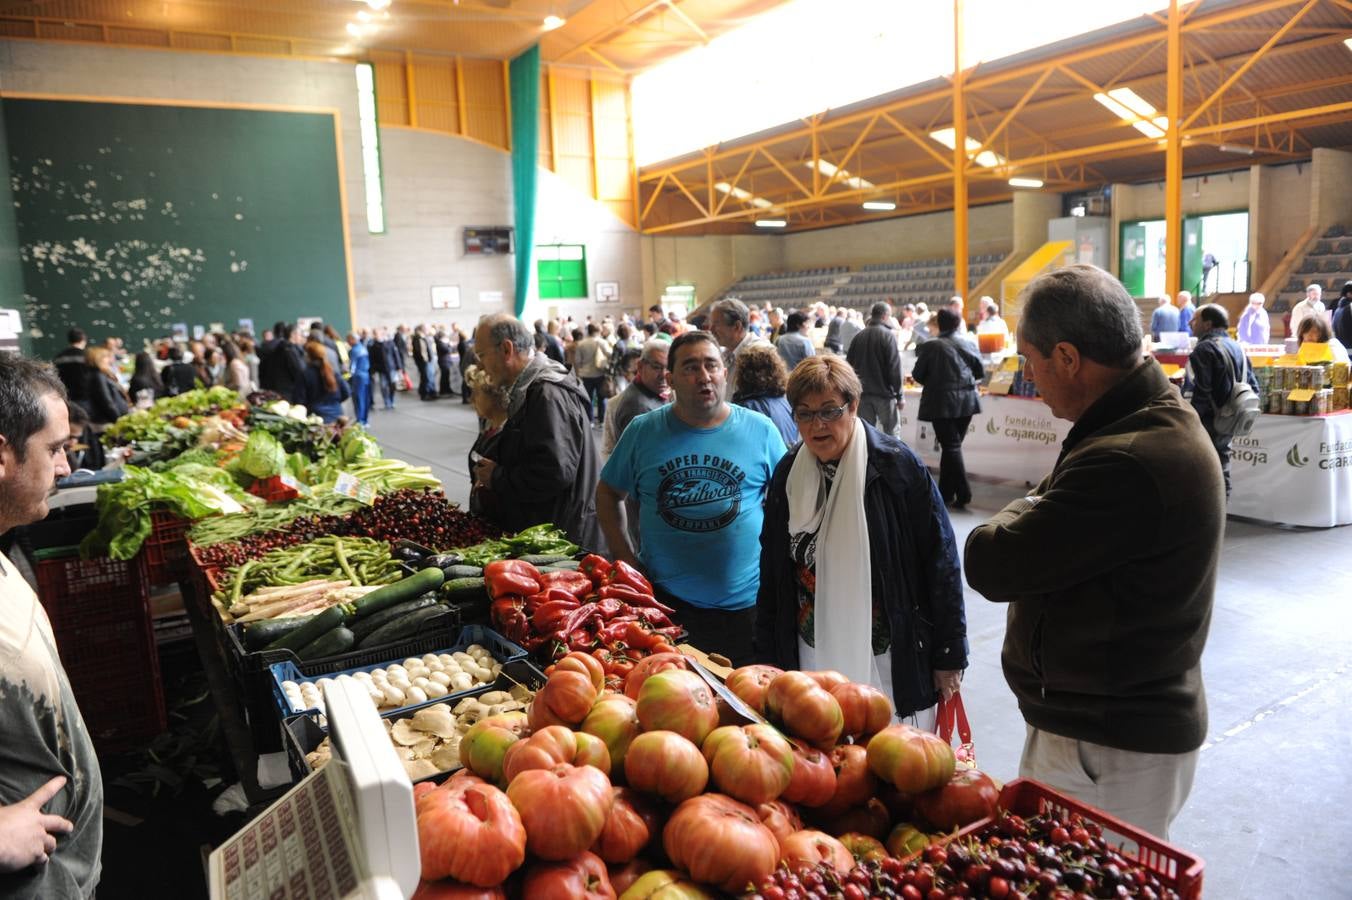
(142, 37)
(216, 43)
(436, 102)
(485, 101)
(391, 89)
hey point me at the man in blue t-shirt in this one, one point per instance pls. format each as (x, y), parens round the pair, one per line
(699, 468)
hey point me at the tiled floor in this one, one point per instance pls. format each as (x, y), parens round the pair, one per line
(1273, 795)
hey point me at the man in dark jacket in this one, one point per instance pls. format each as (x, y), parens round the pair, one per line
(281, 364)
(1213, 366)
(949, 371)
(70, 365)
(1109, 566)
(1342, 316)
(384, 366)
(546, 465)
(178, 377)
(876, 360)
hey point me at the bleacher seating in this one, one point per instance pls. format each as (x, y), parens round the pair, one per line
(1329, 264)
(916, 281)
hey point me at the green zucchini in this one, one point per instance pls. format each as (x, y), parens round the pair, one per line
(406, 588)
(258, 635)
(453, 572)
(543, 559)
(402, 627)
(363, 627)
(317, 627)
(460, 590)
(339, 640)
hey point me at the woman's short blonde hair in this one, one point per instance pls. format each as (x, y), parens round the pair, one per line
(823, 374)
(481, 383)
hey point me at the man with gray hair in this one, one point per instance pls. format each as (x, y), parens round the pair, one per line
(545, 466)
(875, 358)
(647, 392)
(51, 791)
(1312, 305)
(730, 324)
(1108, 610)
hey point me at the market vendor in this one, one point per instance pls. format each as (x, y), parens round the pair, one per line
(699, 468)
(859, 567)
(51, 791)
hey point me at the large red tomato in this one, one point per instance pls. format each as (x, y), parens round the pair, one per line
(584, 877)
(486, 742)
(679, 701)
(667, 765)
(906, 839)
(614, 719)
(854, 782)
(807, 848)
(469, 830)
(863, 847)
(828, 679)
(649, 666)
(633, 821)
(751, 763)
(749, 684)
(552, 745)
(781, 818)
(805, 709)
(563, 808)
(621, 877)
(866, 709)
(909, 759)
(454, 890)
(584, 663)
(666, 884)
(869, 818)
(814, 777)
(721, 842)
(969, 795)
(567, 697)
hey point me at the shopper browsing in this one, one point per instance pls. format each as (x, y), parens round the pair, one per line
(699, 469)
(1214, 366)
(859, 567)
(1254, 326)
(949, 371)
(876, 359)
(1164, 319)
(51, 792)
(1108, 607)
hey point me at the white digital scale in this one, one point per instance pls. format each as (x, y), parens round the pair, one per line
(347, 831)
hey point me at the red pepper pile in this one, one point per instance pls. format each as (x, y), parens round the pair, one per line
(606, 609)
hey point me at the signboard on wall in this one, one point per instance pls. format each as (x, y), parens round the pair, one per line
(488, 240)
(490, 298)
(679, 296)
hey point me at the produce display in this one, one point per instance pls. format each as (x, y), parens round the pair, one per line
(538, 540)
(167, 413)
(428, 741)
(412, 682)
(600, 607)
(357, 560)
(271, 604)
(261, 520)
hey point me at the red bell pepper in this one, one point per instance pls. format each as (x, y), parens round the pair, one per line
(654, 617)
(549, 616)
(575, 620)
(633, 597)
(627, 576)
(610, 608)
(574, 583)
(511, 576)
(613, 632)
(548, 595)
(508, 615)
(596, 568)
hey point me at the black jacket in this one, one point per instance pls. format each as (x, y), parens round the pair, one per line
(1342, 321)
(178, 378)
(547, 464)
(949, 372)
(281, 368)
(74, 374)
(915, 570)
(104, 398)
(874, 356)
(1212, 365)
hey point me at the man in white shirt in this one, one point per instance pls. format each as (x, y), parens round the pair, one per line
(991, 323)
(1312, 305)
(1254, 327)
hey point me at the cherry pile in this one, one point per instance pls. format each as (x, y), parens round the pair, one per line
(424, 517)
(1020, 859)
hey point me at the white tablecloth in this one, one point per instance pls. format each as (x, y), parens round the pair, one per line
(1291, 470)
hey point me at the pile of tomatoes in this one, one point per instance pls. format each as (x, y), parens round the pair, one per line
(661, 788)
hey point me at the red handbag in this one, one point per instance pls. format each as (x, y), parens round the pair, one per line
(951, 720)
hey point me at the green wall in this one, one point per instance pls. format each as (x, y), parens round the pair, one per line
(133, 218)
(11, 272)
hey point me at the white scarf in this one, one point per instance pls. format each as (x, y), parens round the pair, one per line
(843, 615)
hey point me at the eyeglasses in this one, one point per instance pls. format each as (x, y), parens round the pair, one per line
(830, 414)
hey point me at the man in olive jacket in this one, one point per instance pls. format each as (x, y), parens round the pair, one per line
(1109, 567)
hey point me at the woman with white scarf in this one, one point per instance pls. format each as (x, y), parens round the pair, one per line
(859, 567)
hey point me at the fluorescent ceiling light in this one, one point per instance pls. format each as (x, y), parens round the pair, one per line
(1127, 105)
(986, 158)
(745, 196)
(551, 22)
(1235, 148)
(378, 4)
(879, 204)
(771, 223)
(1348, 43)
(829, 169)
(1025, 182)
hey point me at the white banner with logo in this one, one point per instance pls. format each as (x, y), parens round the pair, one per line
(1292, 470)
(1295, 470)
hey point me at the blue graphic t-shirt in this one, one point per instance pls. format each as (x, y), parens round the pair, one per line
(700, 493)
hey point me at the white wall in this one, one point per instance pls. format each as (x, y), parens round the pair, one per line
(434, 184)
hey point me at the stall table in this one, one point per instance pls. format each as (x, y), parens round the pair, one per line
(1290, 470)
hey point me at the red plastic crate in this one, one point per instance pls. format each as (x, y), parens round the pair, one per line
(1175, 868)
(75, 590)
(114, 671)
(166, 549)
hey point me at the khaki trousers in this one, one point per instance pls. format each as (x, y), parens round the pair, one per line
(1145, 789)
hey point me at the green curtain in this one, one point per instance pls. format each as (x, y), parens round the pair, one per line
(525, 89)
